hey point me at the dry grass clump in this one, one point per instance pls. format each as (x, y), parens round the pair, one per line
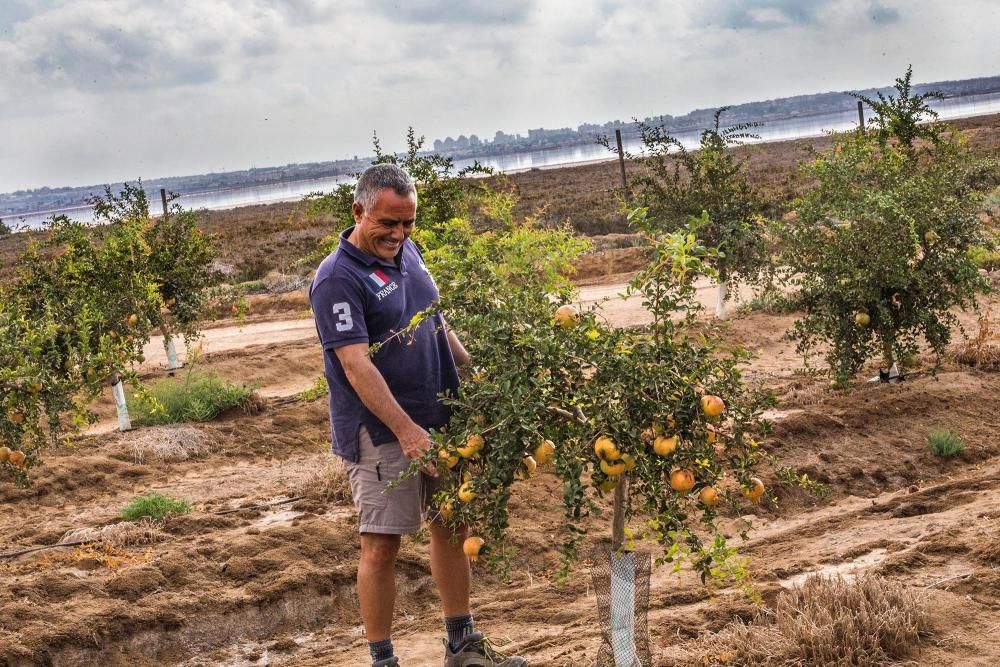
(125, 534)
(827, 621)
(983, 349)
(168, 444)
(328, 483)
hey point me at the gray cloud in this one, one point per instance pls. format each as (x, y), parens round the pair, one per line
(473, 12)
(306, 12)
(11, 13)
(132, 45)
(777, 14)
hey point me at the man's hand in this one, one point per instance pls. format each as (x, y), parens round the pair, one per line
(415, 443)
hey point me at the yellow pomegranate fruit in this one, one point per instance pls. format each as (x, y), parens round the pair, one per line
(755, 491)
(17, 458)
(712, 406)
(608, 485)
(612, 469)
(709, 496)
(544, 452)
(450, 460)
(605, 448)
(473, 444)
(681, 480)
(472, 546)
(567, 316)
(465, 492)
(528, 466)
(629, 462)
(4, 454)
(665, 446)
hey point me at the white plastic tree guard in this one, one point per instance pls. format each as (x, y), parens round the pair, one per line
(118, 391)
(172, 362)
(720, 300)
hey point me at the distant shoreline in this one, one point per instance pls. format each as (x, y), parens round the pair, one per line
(36, 218)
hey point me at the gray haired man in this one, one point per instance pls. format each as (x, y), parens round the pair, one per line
(382, 406)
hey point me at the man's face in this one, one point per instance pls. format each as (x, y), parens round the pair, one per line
(382, 230)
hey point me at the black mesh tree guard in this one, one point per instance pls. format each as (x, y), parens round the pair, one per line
(621, 583)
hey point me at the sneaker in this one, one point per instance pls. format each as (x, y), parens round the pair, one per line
(475, 651)
(388, 662)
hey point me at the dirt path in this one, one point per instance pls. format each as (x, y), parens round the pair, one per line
(607, 297)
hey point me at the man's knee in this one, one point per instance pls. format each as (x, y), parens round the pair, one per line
(379, 550)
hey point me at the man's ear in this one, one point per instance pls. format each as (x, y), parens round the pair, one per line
(358, 210)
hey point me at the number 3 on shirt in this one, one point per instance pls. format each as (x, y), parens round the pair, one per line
(343, 312)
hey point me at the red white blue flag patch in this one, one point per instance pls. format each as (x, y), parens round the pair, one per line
(378, 279)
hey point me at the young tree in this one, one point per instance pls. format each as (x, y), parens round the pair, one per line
(81, 310)
(903, 117)
(676, 184)
(881, 245)
(605, 403)
(76, 316)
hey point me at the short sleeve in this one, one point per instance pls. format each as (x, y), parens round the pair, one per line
(338, 306)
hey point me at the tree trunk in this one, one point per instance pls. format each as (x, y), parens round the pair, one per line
(887, 356)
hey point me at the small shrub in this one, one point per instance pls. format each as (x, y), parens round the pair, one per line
(771, 301)
(317, 390)
(827, 621)
(155, 506)
(945, 443)
(983, 349)
(198, 397)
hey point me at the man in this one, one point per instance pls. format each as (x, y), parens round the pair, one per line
(382, 405)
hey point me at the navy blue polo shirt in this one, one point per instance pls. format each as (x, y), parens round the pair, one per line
(357, 298)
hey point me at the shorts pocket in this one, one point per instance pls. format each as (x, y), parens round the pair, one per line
(367, 485)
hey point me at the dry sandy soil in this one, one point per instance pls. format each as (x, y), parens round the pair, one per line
(274, 586)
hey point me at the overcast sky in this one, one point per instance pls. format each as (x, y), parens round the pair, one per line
(95, 91)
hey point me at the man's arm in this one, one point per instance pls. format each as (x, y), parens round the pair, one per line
(458, 350)
(374, 393)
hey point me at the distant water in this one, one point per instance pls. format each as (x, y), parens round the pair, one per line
(795, 128)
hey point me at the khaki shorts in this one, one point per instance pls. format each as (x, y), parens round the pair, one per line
(396, 511)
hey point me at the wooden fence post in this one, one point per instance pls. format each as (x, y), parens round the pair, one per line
(861, 116)
(621, 164)
(163, 198)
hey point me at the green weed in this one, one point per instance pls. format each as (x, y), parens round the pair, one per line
(945, 443)
(197, 397)
(155, 506)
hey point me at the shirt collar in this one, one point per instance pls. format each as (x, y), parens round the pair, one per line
(363, 257)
